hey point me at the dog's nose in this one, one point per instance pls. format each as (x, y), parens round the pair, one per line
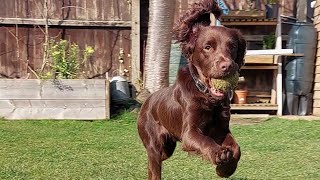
(225, 66)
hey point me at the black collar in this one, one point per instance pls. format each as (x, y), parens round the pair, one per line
(202, 87)
(199, 84)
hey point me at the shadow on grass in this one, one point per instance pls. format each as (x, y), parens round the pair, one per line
(238, 178)
(125, 112)
(120, 108)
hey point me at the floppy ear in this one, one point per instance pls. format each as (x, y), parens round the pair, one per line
(198, 14)
(189, 45)
(242, 47)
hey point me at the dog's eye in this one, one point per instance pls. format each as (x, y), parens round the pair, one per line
(207, 47)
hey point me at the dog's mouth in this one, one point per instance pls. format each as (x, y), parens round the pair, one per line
(220, 87)
(217, 92)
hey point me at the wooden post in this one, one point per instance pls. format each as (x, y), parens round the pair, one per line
(279, 29)
(302, 10)
(135, 44)
(273, 99)
(107, 99)
(279, 86)
(213, 20)
(279, 62)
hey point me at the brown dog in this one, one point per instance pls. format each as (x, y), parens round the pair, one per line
(191, 111)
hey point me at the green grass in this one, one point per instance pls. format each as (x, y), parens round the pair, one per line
(275, 149)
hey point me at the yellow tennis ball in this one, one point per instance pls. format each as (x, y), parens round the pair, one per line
(227, 83)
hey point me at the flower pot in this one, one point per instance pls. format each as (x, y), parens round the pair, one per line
(240, 96)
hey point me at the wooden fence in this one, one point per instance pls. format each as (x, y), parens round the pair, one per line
(108, 25)
(102, 24)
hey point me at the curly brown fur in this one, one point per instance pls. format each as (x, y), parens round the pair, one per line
(198, 14)
(242, 46)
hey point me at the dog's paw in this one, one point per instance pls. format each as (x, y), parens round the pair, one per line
(224, 155)
(227, 169)
(226, 163)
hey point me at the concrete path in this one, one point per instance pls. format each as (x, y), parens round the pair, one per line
(247, 119)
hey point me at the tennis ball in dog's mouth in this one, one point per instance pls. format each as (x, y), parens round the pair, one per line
(227, 83)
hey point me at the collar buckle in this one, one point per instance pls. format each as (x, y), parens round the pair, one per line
(199, 84)
(201, 87)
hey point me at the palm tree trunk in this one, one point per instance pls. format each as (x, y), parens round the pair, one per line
(158, 44)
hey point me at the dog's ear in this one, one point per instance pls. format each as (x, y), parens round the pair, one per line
(198, 14)
(242, 47)
(189, 45)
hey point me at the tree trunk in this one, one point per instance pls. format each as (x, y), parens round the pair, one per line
(158, 44)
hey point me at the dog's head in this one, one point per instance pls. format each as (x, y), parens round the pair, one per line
(214, 51)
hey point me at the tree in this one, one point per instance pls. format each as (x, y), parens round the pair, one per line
(158, 44)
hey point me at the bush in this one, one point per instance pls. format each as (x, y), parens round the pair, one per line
(67, 59)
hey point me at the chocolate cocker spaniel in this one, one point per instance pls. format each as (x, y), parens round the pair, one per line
(192, 111)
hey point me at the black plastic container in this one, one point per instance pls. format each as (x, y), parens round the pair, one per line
(300, 70)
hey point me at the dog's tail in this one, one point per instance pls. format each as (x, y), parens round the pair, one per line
(199, 13)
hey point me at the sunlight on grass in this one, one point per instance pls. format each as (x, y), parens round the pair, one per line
(275, 149)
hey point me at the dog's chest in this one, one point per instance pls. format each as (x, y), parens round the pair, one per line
(207, 122)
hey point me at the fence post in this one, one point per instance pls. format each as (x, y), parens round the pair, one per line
(135, 44)
(107, 98)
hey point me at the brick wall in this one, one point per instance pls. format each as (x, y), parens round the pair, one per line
(316, 96)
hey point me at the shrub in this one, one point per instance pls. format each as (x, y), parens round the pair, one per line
(67, 59)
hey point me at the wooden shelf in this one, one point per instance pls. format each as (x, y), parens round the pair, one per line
(248, 22)
(272, 67)
(260, 37)
(258, 106)
(262, 70)
(59, 22)
(270, 52)
(259, 59)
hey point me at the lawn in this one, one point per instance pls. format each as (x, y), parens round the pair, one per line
(274, 149)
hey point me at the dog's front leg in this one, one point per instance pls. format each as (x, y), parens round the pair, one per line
(226, 139)
(224, 136)
(227, 168)
(193, 139)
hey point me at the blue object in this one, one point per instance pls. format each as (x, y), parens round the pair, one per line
(225, 10)
(224, 7)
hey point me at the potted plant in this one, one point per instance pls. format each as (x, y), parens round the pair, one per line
(272, 9)
(241, 92)
(269, 41)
